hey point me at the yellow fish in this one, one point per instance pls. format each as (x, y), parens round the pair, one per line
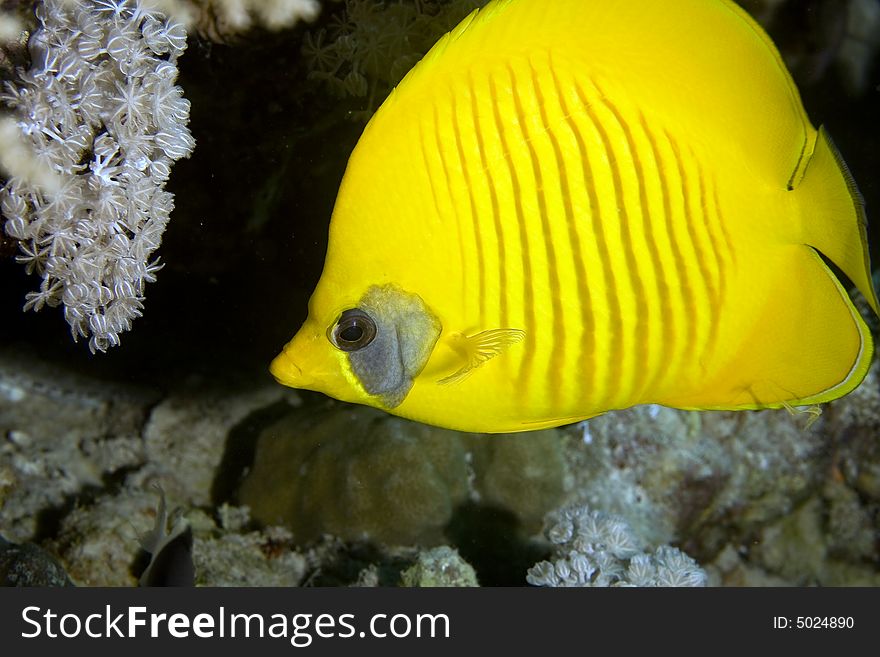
(575, 206)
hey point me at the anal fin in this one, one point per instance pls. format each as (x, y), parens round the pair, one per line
(806, 342)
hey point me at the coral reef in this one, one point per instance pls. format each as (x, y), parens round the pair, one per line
(100, 109)
(370, 46)
(29, 565)
(84, 494)
(195, 424)
(228, 554)
(597, 549)
(712, 480)
(439, 566)
(109, 433)
(697, 477)
(63, 434)
(10, 28)
(98, 123)
(358, 473)
(83, 491)
(220, 19)
(828, 540)
(99, 542)
(355, 473)
(240, 15)
(100, 546)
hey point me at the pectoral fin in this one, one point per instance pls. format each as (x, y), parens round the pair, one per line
(477, 349)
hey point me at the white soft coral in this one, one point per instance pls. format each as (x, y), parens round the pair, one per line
(99, 121)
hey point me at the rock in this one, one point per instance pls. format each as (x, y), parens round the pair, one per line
(29, 565)
(59, 434)
(439, 566)
(358, 473)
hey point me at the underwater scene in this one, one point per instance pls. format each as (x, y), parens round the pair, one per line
(581, 297)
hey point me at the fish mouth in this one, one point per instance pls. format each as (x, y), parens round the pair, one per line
(286, 371)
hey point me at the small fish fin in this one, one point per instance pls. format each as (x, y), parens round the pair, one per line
(166, 527)
(814, 411)
(152, 539)
(169, 544)
(470, 31)
(535, 425)
(479, 348)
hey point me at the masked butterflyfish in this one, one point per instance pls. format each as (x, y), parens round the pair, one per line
(575, 206)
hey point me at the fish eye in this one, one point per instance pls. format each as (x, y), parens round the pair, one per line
(354, 330)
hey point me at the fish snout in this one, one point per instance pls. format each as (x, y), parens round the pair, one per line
(295, 366)
(286, 371)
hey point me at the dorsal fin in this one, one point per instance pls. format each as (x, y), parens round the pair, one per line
(703, 65)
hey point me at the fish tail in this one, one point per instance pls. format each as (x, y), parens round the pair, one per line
(810, 344)
(834, 221)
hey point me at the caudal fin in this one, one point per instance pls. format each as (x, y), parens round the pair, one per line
(834, 220)
(808, 343)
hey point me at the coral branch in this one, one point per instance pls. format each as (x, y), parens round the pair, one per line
(98, 123)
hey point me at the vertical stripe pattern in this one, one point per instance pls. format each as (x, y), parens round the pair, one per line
(470, 218)
(588, 226)
(579, 314)
(518, 240)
